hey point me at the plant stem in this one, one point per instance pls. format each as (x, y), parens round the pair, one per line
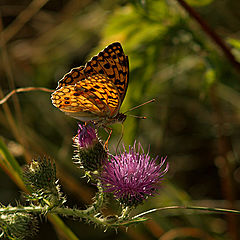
(209, 209)
(125, 213)
(87, 214)
(210, 32)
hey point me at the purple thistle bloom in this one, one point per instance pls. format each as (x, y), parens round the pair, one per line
(134, 176)
(86, 135)
(90, 152)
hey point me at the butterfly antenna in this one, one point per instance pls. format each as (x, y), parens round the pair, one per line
(152, 100)
(140, 117)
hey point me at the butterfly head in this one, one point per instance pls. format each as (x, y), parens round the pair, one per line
(103, 122)
(121, 117)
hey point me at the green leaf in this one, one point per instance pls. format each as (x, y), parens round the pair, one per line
(236, 47)
(210, 76)
(234, 42)
(133, 221)
(9, 164)
(7, 159)
(198, 3)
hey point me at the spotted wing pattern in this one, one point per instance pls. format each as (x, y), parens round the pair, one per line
(111, 62)
(89, 99)
(74, 76)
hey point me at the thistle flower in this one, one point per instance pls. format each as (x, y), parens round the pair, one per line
(86, 136)
(90, 152)
(133, 176)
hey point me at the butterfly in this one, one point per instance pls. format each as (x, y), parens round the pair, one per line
(95, 92)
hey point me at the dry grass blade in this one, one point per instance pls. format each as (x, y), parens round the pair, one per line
(28, 89)
(21, 19)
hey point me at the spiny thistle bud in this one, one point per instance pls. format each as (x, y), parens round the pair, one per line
(19, 225)
(132, 176)
(40, 174)
(90, 153)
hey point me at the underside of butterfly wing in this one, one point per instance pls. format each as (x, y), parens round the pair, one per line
(74, 76)
(95, 97)
(111, 62)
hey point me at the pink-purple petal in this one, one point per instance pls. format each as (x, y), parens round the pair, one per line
(133, 176)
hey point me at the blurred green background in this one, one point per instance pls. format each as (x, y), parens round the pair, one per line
(195, 120)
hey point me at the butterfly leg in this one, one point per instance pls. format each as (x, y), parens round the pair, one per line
(109, 131)
(88, 122)
(75, 138)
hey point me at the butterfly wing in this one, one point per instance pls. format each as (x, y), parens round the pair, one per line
(90, 99)
(111, 62)
(74, 76)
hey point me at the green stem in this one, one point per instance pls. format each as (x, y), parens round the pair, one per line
(125, 213)
(32, 209)
(90, 213)
(99, 198)
(209, 209)
(86, 214)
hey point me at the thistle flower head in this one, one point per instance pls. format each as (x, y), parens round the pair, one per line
(86, 135)
(133, 176)
(90, 152)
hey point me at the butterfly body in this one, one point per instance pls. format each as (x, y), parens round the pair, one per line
(95, 92)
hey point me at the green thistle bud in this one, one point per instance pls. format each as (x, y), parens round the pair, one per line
(90, 153)
(40, 174)
(19, 225)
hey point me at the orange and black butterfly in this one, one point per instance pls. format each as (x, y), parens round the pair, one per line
(95, 92)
